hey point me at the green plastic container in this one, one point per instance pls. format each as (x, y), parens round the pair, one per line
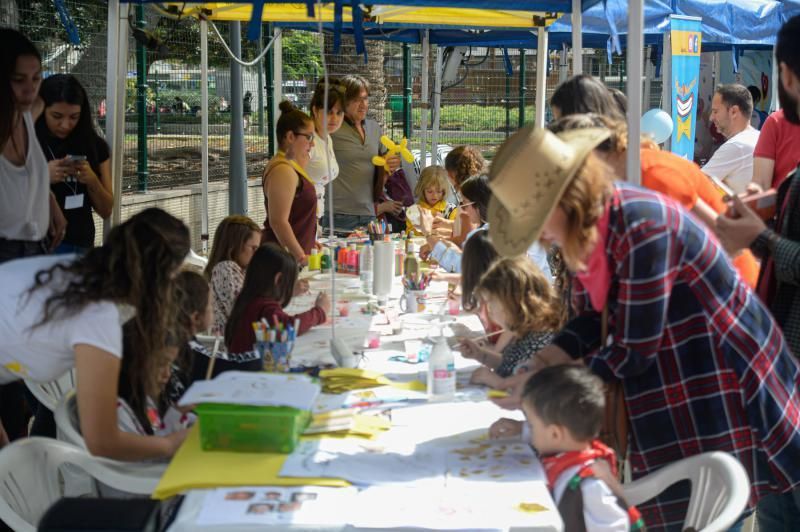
(250, 429)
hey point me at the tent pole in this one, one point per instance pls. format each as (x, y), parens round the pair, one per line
(277, 72)
(437, 103)
(522, 88)
(634, 83)
(237, 178)
(116, 72)
(426, 52)
(541, 75)
(649, 73)
(204, 135)
(577, 38)
(666, 80)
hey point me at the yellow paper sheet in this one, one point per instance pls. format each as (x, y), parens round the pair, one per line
(193, 468)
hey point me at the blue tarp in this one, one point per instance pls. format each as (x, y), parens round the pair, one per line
(726, 23)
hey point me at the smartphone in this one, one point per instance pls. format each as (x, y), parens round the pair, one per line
(76, 158)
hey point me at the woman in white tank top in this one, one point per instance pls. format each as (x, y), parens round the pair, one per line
(28, 212)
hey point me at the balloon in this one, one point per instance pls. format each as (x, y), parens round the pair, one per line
(657, 124)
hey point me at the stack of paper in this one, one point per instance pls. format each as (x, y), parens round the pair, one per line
(342, 380)
(256, 389)
(380, 397)
(346, 423)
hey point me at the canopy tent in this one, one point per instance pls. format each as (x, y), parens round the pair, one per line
(507, 12)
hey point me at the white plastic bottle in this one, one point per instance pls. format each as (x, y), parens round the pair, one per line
(365, 261)
(441, 371)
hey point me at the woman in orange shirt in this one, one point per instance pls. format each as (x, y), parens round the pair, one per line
(664, 172)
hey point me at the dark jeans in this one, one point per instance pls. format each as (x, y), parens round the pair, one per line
(14, 411)
(64, 249)
(779, 512)
(347, 222)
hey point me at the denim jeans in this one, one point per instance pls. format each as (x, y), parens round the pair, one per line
(347, 222)
(779, 512)
(64, 248)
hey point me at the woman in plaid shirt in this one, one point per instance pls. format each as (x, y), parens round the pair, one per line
(701, 361)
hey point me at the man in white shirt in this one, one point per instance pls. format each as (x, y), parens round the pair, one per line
(732, 163)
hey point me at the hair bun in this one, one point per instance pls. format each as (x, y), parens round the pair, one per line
(286, 106)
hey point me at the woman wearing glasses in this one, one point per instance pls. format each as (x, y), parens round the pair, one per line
(290, 198)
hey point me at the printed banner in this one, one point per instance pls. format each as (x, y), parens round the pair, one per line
(686, 36)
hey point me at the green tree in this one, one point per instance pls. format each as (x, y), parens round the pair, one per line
(302, 56)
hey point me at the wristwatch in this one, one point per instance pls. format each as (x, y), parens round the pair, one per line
(770, 239)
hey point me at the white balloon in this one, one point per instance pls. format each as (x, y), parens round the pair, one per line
(658, 124)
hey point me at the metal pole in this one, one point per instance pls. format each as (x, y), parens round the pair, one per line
(277, 73)
(563, 62)
(270, 96)
(237, 178)
(407, 91)
(649, 73)
(541, 75)
(508, 105)
(260, 98)
(634, 61)
(426, 54)
(577, 38)
(204, 135)
(666, 81)
(437, 103)
(158, 109)
(522, 88)
(116, 72)
(141, 106)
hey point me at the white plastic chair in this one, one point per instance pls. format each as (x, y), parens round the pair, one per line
(196, 260)
(720, 489)
(67, 421)
(30, 478)
(50, 393)
(68, 424)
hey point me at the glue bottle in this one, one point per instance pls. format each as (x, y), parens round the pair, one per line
(365, 268)
(441, 370)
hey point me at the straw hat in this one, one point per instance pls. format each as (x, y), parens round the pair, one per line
(528, 176)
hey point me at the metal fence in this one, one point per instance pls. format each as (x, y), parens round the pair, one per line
(162, 121)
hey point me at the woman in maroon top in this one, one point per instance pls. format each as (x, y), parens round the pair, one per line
(290, 198)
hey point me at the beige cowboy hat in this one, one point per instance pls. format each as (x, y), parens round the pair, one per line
(528, 176)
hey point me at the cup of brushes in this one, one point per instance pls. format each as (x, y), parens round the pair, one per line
(275, 344)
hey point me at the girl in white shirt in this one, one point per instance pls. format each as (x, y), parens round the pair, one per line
(317, 168)
(63, 312)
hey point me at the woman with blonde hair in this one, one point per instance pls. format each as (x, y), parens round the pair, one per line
(658, 309)
(236, 239)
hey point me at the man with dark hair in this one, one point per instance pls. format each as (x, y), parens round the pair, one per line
(779, 247)
(732, 163)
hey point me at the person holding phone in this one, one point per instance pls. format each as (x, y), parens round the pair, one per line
(79, 160)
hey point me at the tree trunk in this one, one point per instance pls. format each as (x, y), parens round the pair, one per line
(9, 15)
(347, 62)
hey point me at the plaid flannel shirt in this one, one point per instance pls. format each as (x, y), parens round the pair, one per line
(785, 305)
(703, 364)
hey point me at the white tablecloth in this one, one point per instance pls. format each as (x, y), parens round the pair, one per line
(441, 420)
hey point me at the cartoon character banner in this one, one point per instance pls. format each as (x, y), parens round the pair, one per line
(685, 36)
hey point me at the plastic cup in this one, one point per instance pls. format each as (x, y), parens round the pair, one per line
(373, 339)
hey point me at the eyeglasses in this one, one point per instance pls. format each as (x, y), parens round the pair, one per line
(309, 136)
(462, 204)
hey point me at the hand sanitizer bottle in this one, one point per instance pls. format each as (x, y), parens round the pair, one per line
(441, 371)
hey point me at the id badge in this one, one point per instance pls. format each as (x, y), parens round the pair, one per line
(74, 201)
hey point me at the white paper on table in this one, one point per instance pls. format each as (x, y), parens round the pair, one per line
(272, 505)
(457, 507)
(256, 389)
(384, 395)
(365, 462)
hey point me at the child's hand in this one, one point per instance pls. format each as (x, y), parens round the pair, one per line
(324, 302)
(425, 251)
(472, 350)
(175, 440)
(300, 287)
(505, 428)
(426, 221)
(486, 377)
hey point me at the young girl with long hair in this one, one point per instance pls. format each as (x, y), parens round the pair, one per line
(268, 287)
